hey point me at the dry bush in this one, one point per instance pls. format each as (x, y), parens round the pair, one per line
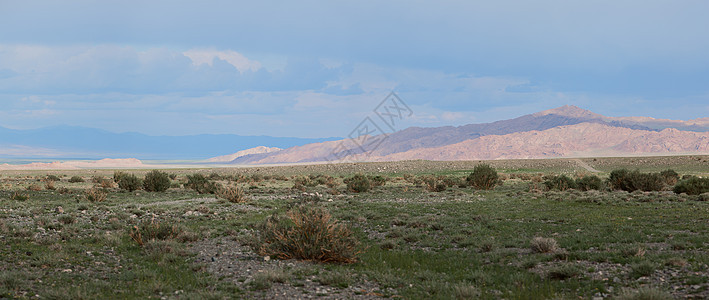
(17, 195)
(75, 179)
(154, 230)
(34, 187)
(543, 245)
(95, 195)
(49, 185)
(307, 233)
(232, 194)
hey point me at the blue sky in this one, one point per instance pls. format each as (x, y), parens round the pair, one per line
(316, 68)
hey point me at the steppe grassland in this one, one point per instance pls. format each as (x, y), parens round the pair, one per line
(416, 242)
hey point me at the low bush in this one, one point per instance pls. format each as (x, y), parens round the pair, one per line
(126, 181)
(154, 230)
(589, 182)
(358, 183)
(75, 179)
(630, 181)
(308, 233)
(19, 196)
(560, 182)
(201, 184)
(543, 245)
(156, 181)
(433, 183)
(51, 177)
(95, 195)
(483, 177)
(232, 194)
(692, 186)
(670, 176)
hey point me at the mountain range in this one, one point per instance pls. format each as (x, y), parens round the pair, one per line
(567, 131)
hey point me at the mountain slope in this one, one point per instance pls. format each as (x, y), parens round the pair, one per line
(595, 134)
(564, 141)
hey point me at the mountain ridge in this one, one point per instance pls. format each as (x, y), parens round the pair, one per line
(416, 138)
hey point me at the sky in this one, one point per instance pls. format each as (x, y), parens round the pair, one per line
(317, 68)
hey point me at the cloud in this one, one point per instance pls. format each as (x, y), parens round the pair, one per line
(207, 56)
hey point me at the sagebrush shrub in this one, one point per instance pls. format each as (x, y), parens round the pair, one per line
(154, 230)
(308, 233)
(233, 194)
(156, 181)
(543, 245)
(630, 181)
(560, 182)
(358, 183)
(589, 182)
(433, 183)
(52, 177)
(670, 176)
(126, 181)
(201, 184)
(75, 179)
(483, 177)
(95, 195)
(692, 186)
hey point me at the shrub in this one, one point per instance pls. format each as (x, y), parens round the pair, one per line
(433, 184)
(16, 195)
(126, 181)
(49, 185)
(156, 181)
(75, 179)
(150, 231)
(641, 269)
(53, 178)
(483, 177)
(377, 180)
(232, 194)
(589, 182)
(307, 233)
(201, 184)
(692, 186)
(670, 176)
(625, 180)
(358, 183)
(560, 182)
(34, 187)
(95, 195)
(543, 245)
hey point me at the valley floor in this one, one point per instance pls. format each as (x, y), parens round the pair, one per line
(416, 242)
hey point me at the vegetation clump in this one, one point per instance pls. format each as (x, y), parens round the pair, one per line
(201, 184)
(126, 181)
(589, 182)
(483, 177)
(358, 183)
(95, 195)
(232, 194)
(560, 182)
(692, 186)
(156, 181)
(76, 179)
(308, 233)
(153, 230)
(631, 181)
(543, 245)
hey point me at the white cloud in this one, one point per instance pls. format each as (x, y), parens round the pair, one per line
(207, 56)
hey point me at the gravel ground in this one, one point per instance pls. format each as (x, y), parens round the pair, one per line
(232, 261)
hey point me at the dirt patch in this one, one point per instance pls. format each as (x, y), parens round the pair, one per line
(262, 277)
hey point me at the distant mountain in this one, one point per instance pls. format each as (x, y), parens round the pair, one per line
(233, 156)
(563, 131)
(81, 142)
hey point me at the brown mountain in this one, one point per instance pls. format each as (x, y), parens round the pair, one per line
(563, 131)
